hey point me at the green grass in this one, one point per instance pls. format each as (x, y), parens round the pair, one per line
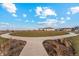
(38, 33)
(2, 40)
(75, 44)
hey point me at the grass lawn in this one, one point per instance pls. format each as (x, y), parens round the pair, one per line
(38, 33)
(75, 44)
(2, 40)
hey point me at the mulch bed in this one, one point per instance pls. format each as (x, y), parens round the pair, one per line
(12, 47)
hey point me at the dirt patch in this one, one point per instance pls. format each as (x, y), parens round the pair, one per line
(59, 47)
(12, 47)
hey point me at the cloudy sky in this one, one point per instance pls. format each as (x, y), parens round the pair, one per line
(36, 15)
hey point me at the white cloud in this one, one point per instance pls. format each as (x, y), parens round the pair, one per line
(62, 18)
(4, 23)
(26, 21)
(42, 17)
(62, 21)
(48, 22)
(14, 15)
(51, 22)
(24, 15)
(68, 18)
(39, 10)
(9, 6)
(74, 10)
(32, 21)
(68, 13)
(49, 12)
(43, 12)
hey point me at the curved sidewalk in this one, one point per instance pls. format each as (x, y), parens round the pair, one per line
(34, 46)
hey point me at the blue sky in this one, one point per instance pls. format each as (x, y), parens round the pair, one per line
(37, 15)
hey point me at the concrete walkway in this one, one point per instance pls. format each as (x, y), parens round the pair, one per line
(34, 46)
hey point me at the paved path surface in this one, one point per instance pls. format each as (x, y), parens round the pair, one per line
(34, 46)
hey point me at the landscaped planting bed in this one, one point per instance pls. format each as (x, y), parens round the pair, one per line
(59, 47)
(11, 47)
